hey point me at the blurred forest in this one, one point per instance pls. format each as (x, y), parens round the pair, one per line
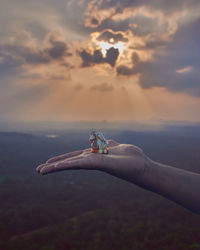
(91, 210)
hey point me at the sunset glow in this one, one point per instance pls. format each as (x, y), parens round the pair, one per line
(99, 60)
(106, 45)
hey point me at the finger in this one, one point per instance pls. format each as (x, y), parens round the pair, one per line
(40, 167)
(64, 156)
(112, 143)
(76, 164)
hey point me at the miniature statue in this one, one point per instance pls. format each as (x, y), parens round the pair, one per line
(98, 143)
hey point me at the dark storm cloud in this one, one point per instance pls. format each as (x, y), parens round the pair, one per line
(94, 21)
(22, 51)
(126, 71)
(58, 50)
(108, 35)
(163, 74)
(178, 52)
(89, 59)
(8, 62)
(163, 70)
(139, 25)
(111, 56)
(122, 3)
(26, 53)
(97, 57)
(122, 25)
(163, 5)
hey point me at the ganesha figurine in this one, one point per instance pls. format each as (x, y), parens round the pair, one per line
(98, 143)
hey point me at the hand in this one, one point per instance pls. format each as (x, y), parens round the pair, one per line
(128, 162)
(123, 160)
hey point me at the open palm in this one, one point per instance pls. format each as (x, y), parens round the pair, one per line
(128, 162)
(122, 160)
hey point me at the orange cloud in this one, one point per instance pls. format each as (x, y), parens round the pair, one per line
(184, 70)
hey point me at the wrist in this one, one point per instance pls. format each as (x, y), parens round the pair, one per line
(143, 178)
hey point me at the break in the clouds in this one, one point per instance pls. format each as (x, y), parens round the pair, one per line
(97, 57)
(69, 50)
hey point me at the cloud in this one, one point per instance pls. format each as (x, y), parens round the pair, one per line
(8, 62)
(162, 73)
(103, 87)
(127, 71)
(160, 45)
(89, 59)
(111, 56)
(94, 22)
(108, 23)
(139, 25)
(163, 41)
(23, 49)
(55, 45)
(94, 14)
(155, 22)
(58, 50)
(26, 54)
(165, 6)
(111, 37)
(184, 70)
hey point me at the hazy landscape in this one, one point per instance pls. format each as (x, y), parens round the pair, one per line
(92, 210)
(128, 68)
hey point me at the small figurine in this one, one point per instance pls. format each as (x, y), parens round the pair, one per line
(98, 143)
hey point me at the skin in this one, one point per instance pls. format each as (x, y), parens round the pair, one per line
(129, 162)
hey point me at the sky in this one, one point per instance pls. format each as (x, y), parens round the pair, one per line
(114, 60)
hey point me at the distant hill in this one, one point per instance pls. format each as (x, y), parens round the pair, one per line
(90, 210)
